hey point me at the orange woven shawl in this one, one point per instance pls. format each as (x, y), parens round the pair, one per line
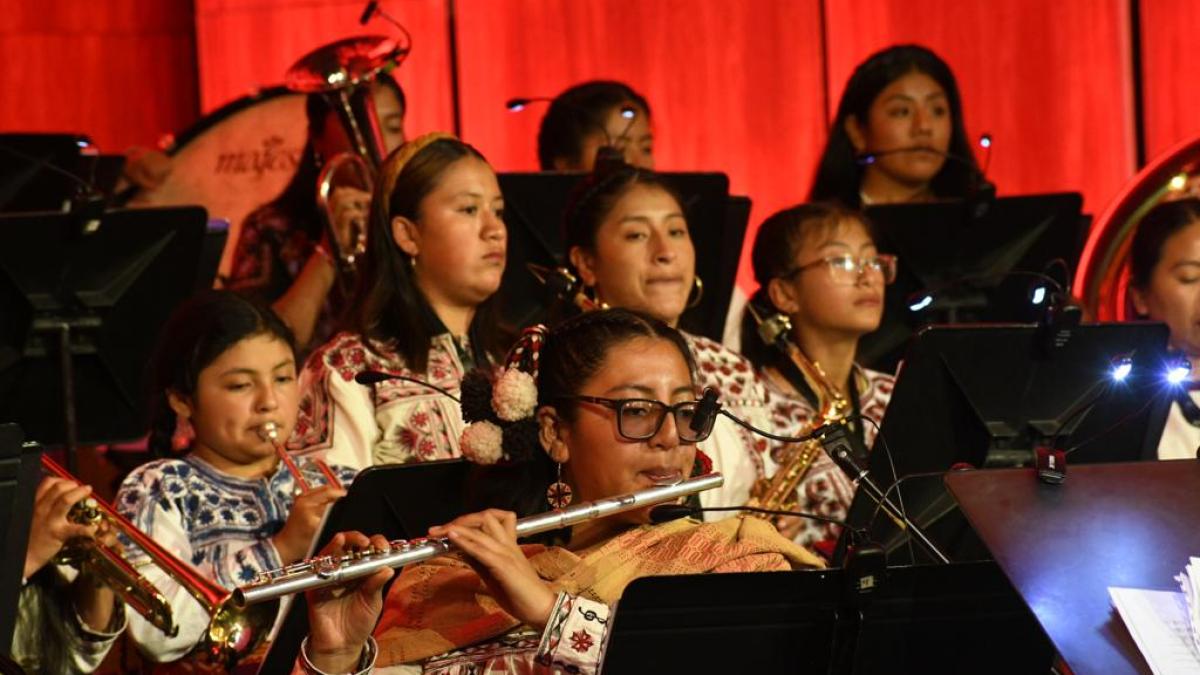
(442, 604)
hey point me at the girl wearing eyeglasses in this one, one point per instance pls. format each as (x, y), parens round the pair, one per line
(817, 265)
(628, 242)
(615, 392)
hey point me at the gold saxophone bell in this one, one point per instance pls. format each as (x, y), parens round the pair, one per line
(233, 632)
(779, 491)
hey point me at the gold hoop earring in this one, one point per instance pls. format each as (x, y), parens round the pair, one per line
(697, 290)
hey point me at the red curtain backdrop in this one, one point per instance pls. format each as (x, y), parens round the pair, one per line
(743, 87)
(1049, 80)
(733, 86)
(122, 71)
(1169, 72)
(245, 45)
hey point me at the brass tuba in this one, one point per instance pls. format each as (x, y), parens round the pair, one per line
(342, 72)
(779, 491)
(1102, 279)
(233, 632)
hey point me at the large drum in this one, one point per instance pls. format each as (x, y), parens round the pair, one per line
(234, 159)
(1102, 281)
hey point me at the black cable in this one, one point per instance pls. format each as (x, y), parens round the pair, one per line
(1110, 429)
(887, 451)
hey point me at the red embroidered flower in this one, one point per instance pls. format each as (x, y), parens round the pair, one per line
(581, 641)
(426, 448)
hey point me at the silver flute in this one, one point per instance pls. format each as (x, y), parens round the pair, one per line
(324, 571)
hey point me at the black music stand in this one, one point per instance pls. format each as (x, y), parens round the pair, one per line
(987, 395)
(20, 473)
(927, 619)
(533, 209)
(771, 622)
(82, 311)
(1063, 546)
(966, 264)
(399, 501)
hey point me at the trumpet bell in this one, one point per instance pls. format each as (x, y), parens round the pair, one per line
(341, 64)
(236, 631)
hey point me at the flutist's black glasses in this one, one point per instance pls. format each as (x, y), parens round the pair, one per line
(639, 419)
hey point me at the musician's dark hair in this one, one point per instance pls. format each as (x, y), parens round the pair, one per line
(196, 334)
(779, 239)
(593, 198)
(1156, 227)
(839, 173)
(578, 112)
(573, 353)
(388, 307)
(590, 202)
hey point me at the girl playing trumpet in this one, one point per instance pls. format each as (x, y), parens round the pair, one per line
(226, 368)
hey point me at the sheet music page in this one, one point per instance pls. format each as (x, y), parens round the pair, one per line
(1189, 582)
(1158, 622)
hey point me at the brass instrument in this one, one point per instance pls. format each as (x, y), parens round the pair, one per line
(565, 285)
(270, 432)
(325, 571)
(342, 72)
(108, 565)
(233, 632)
(779, 491)
(1102, 278)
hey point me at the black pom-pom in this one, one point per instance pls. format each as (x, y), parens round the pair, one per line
(476, 397)
(520, 439)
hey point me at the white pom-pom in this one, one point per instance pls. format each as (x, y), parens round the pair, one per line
(482, 443)
(514, 396)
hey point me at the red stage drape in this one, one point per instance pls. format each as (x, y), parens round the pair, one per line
(742, 87)
(734, 86)
(122, 71)
(244, 45)
(1049, 80)
(1169, 73)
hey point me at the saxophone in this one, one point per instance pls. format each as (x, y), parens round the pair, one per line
(779, 491)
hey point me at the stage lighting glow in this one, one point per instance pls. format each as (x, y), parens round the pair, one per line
(1177, 374)
(628, 112)
(1178, 182)
(985, 141)
(1121, 370)
(921, 304)
(1039, 295)
(516, 107)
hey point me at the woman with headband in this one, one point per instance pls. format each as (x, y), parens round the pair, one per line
(424, 309)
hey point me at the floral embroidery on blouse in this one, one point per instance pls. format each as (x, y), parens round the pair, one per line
(825, 489)
(227, 520)
(740, 388)
(393, 421)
